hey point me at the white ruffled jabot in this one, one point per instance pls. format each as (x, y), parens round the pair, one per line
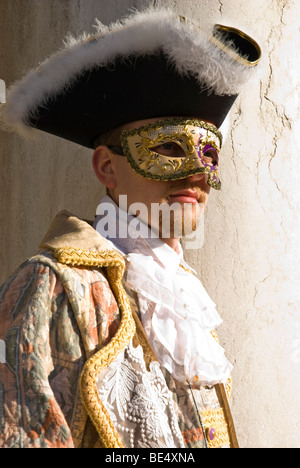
(176, 311)
(178, 316)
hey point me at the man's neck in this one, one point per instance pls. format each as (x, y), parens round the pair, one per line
(173, 243)
(170, 241)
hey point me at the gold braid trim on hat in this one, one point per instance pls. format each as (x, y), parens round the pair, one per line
(95, 408)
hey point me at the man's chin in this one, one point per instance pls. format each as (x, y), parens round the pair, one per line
(177, 220)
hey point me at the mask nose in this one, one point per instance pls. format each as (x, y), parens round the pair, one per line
(201, 177)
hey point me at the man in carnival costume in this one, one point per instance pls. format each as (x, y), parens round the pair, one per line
(109, 335)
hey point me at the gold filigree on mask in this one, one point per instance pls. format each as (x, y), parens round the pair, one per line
(191, 137)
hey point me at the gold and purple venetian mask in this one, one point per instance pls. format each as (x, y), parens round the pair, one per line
(174, 149)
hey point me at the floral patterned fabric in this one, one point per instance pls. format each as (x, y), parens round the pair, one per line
(52, 318)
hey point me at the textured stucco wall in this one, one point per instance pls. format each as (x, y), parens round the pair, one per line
(250, 259)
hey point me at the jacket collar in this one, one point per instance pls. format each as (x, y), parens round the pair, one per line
(67, 230)
(74, 241)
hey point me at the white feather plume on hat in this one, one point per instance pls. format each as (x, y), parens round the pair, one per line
(187, 48)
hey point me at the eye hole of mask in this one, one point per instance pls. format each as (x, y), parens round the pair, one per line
(210, 156)
(170, 149)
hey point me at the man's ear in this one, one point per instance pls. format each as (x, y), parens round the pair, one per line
(103, 166)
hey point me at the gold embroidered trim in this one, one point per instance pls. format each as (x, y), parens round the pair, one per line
(223, 399)
(91, 258)
(215, 335)
(215, 428)
(96, 410)
(187, 270)
(228, 385)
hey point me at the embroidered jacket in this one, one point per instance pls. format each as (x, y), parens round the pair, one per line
(78, 368)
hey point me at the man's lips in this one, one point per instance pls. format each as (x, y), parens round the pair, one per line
(185, 196)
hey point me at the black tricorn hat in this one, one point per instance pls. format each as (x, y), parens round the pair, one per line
(152, 64)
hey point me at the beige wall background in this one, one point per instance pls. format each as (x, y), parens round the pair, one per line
(250, 259)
